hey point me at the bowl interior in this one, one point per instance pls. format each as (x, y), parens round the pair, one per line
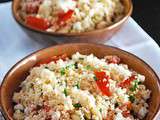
(18, 73)
(127, 12)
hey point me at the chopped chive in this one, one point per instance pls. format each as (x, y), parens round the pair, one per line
(46, 67)
(88, 67)
(132, 98)
(132, 112)
(22, 111)
(65, 92)
(76, 65)
(100, 110)
(78, 86)
(95, 78)
(62, 71)
(85, 117)
(38, 107)
(77, 105)
(32, 85)
(81, 58)
(139, 83)
(69, 66)
(116, 104)
(132, 89)
(134, 86)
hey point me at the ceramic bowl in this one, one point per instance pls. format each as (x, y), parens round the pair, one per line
(20, 70)
(99, 35)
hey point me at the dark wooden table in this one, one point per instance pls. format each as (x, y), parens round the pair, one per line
(147, 14)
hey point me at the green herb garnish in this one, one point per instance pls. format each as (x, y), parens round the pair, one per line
(62, 71)
(70, 66)
(81, 58)
(132, 89)
(132, 112)
(77, 105)
(135, 85)
(88, 67)
(100, 110)
(116, 104)
(46, 67)
(76, 65)
(132, 98)
(65, 92)
(85, 117)
(78, 85)
(139, 83)
(95, 78)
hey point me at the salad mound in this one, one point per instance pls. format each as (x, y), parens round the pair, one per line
(82, 87)
(70, 16)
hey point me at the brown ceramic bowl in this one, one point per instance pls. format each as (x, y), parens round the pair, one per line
(93, 36)
(20, 70)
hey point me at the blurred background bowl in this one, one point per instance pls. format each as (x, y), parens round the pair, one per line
(99, 35)
(20, 70)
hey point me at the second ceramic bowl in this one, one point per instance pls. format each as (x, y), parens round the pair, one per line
(100, 35)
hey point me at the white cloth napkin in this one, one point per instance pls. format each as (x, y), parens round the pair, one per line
(16, 44)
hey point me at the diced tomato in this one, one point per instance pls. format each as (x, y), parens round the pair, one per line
(49, 118)
(102, 82)
(126, 113)
(127, 82)
(47, 108)
(63, 57)
(54, 59)
(31, 8)
(63, 17)
(127, 105)
(126, 108)
(100, 74)
(110, 115)
(113, 59)
(37, 23)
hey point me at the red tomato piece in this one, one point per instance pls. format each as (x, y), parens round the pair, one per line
(110, 115)
(63, 17)
(126, 82)
(37, 23)
(113, 59)
(31, 8)
(102, 82)
(47, 108)
(100, 74)
(63, 57)
(127, 105)
(54, 59)
(126, 113)
(49, 118)
(126, 108)
(104, 87)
